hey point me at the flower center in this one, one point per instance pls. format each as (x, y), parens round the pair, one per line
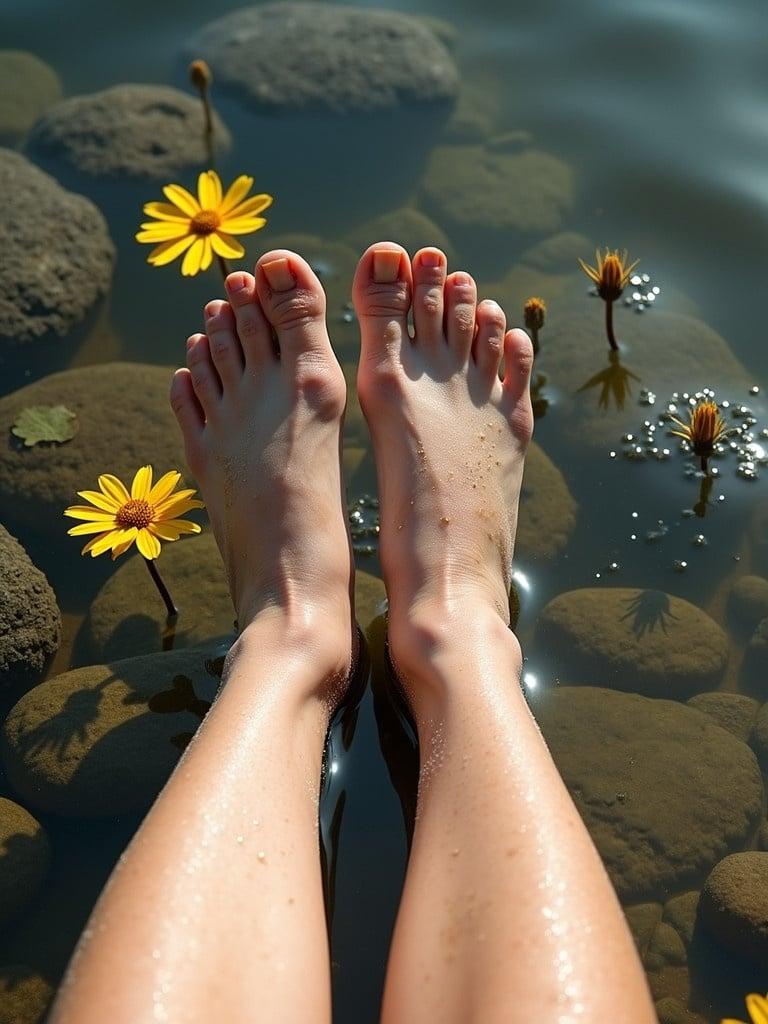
(135, 513)
(205, 222)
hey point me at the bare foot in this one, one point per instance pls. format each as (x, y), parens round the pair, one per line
(449, 435)
(261, 405)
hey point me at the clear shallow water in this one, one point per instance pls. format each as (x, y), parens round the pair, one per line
(659, 108)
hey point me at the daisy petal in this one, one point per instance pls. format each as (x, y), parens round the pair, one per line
(173, 508)
(122, 540)
(249, 208)
(165, 211)
(94, 515)
(102, 501)
(207, 257)
(758, 1008)
(114, 488)
(101, 544)
(193, 259)
(243, 225)
(226, 246)
(239, 188)
(94, 541)
(185, 201)
(83, 528)
(142, 483)
(164, 531)
(164, 486)
(148, 545)
(182, 525)
(209, 190)
(161, 232)
(168, 251)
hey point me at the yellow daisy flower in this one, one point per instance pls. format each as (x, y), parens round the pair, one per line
(757, 1007)
(204, 226)
(145, 516)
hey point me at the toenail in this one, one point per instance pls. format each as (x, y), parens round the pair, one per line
(236, 283)
(386, 266)
(279, 275)
(430, 258)
(461, 279)
(212, 308)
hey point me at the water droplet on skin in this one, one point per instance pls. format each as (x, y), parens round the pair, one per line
(240, 839)
(454, 853)
(261, 855)
(444, 521)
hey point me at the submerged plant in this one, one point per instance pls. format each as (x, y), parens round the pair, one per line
(610, 276)
(145, 516)
(204, 226)
(534, 314)
(757, 1007)
(705, 427)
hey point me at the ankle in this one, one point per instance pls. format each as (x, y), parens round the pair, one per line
(439, 651)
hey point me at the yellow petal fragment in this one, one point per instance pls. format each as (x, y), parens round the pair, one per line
(164, 486)
(226, 246)
(193, 259)
(165, 211)
(239, 188)
(209, 190)
(243, 225)
(758, 1008)
(95, 515)
(161, 232)
(207, 257)
(84, 528)
(168, 251)
(94, 541)
(249, 208)
(114, 488)
(102, 544)
(185, 201)
(142, 483)
(731, 1020)
(148, 545)
(103, 501)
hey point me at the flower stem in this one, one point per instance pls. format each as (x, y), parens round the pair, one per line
(609, 325)
(170, 607)
(705, 465)
(535, 340)
(224, 267)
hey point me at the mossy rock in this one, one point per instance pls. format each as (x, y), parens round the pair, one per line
(28, 86)
(25, 855)
(24, 995)
(734, 904)
(732, 711)
(101, 741)
(547, 508)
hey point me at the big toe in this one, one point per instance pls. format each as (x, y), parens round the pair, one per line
(293, 301)
(382, 297)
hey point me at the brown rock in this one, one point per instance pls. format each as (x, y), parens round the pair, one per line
(733, 711)
(24, 858)
(734, 904)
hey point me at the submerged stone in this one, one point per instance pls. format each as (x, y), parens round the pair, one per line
(124, 422)
(732, 711)
(664, 792)
(759, 736)
(665, 949)
(152, 133)
(748, 600)
(30, 621)
(370, 598)
(24, 859)
(128, 618)
(28, 86)
(56, 268)
(473, 189)
(630, 639)
(681, 912)
(547, 508)
(281, 57)
(24, 995)
(734, 904)
(101, 741)
(410, 227)
(642, 919)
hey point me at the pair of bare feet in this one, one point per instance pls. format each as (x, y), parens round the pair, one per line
(261, 406)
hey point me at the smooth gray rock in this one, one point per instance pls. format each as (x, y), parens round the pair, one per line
(664, 792)
(295, 56)
(57, 257)
(30, 622)
(144, 132)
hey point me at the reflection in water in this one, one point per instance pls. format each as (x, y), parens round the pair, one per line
(614, 383)
(539, 400)
(700, 508)
(648, 610)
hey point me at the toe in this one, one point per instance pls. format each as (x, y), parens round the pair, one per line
(293, 302)
(429, 270)
(188, 412)
(382, 297)
(223, 342)
(518, 363)
(460, 303)
(253, 328)
(489, 338)
(205, 379)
